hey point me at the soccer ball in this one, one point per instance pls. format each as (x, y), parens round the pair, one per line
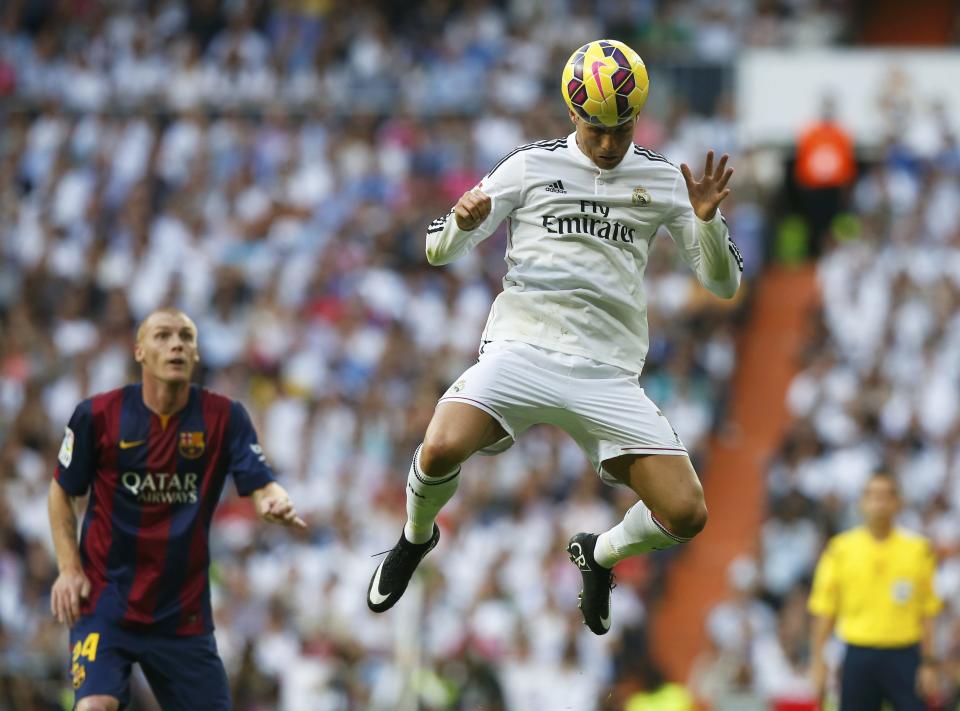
(605, 83)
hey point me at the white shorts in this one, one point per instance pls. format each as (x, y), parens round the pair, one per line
(601, 406)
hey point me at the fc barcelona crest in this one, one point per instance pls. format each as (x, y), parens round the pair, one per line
(191, 445)
(79, 673)
(640, 196)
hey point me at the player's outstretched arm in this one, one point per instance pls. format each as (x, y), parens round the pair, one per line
(477, 213)
(273, 505)
(450, 239)
(472, 209)
(698, 228)
(707, 193)
(71, 585)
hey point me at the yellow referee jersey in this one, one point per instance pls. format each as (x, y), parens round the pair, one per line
(879, 591)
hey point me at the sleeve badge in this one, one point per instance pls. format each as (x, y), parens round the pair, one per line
(66, 448)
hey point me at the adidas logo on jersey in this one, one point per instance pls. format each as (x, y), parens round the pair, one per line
(556, 187)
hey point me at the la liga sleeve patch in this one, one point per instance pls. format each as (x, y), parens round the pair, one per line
(66, 448)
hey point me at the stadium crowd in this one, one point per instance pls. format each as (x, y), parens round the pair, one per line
(272, 172)
(878, 390)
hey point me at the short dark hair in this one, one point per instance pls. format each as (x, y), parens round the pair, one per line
(889, 478)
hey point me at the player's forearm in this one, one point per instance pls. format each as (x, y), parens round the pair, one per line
(63, 527)
(927, 646)
(720, 265)
(820, 633)
(447, 245)
(449, 242)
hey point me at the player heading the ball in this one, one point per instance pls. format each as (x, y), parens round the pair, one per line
(566, 339)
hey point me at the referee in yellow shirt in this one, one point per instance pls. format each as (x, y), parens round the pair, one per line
(875, 584)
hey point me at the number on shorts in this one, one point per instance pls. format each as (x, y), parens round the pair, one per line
(87, 648)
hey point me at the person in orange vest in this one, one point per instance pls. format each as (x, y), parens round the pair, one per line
(824, 170)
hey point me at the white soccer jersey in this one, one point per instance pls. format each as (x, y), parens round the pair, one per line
(577, 247)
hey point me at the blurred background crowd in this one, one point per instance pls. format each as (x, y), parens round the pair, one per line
(878, 390)
(271, 169)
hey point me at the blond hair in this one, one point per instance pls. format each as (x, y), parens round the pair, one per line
(171, 310)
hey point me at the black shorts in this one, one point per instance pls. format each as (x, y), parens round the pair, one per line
(183, 672)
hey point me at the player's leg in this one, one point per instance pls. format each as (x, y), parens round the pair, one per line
(186, 673)
(898, 678)
(483, 411)
(630, 442)
(671, 508)
(859, 684)
(676, 513)
(101, 662)
(456, 431)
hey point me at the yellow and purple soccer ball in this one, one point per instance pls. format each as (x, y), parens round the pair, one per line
(605, 83)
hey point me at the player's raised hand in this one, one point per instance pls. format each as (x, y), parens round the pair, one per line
(707, 193)
(70, 587)
(273, 505)
(472, 209)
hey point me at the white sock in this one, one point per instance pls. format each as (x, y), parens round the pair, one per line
(638, 532)
(425, 497)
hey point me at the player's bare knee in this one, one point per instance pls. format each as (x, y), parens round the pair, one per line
(440, 455)
(98, 703)
(690, 519)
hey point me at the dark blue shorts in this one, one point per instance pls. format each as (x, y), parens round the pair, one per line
(184, 672)
(870, 676)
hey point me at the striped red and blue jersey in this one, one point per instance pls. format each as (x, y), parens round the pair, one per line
(154, 486)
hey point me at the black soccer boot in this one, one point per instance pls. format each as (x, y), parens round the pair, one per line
(597, 583)
(394, 572)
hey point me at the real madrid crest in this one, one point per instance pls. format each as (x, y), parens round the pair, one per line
(191, 445)
(640, 196)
